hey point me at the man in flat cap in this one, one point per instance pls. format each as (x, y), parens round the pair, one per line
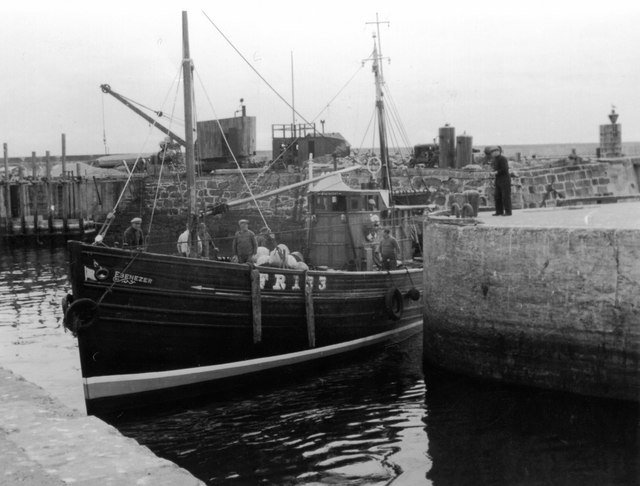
(133, 237)
(244, 243)
(502, 190)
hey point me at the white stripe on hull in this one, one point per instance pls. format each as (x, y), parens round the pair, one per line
(117, 385)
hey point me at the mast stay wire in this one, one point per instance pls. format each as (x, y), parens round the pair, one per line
(338, 93)
(104, 129)
(176, 81)
(249, 188)
(277, 94)
(113, 212)
(254, 69)
(274, 90)
(397, 121)
(274, 161)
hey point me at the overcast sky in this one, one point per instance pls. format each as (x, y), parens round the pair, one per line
(504, 72)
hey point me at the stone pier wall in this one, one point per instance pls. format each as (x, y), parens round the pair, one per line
(532, 186)
(606, 177)
(552, 307)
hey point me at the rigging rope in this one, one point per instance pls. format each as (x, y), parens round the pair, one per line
(398, 121)
(231, 151)
(164, 154)
(253, 68)
(111, 215)
(338, 93)
(104, 128)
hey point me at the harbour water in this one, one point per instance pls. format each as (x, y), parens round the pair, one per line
(382, 419)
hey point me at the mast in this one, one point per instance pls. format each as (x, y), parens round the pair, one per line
(382, 129)
(187, 68)
(293, 97)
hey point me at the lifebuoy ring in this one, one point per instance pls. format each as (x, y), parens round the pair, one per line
(80, 314)
(376, 161)
(393, 303)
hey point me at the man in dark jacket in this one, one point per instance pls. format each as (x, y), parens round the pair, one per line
(389, 250)
(244, 242)
(133, 237)
(502, 191)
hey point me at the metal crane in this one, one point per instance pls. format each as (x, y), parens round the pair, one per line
(107, 89)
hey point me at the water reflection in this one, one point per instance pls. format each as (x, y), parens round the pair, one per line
(32, 283)
(484, 434)
(351, 425)
(381, 420)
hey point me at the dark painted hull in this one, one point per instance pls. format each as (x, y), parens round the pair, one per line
(166, 324)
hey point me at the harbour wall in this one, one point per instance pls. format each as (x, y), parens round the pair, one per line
(546, 184)
(551, 307)
(533, 186)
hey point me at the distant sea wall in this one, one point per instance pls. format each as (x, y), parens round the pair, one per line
(538, 185)
(545, 186)
(533, 186)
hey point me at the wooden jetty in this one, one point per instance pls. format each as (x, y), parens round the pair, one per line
(40, 200)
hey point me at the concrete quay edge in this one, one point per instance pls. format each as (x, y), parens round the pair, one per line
(621, 215)
(44, 443)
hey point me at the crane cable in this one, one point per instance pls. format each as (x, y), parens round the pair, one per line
(104, 129)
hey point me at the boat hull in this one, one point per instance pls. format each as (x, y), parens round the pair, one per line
(553, 308)
(161, 323)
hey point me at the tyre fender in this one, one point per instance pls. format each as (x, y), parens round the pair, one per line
(393, 303)
(80, 314)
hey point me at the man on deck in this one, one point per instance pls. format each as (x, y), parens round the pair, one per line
(133, 237)
(244, 242)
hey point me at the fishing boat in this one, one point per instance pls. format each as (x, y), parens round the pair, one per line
(154, 328)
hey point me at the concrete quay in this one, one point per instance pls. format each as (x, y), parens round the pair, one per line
(44, 443)
(621, 215)
(546, 297)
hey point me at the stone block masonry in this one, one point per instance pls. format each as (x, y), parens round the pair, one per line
(551, 307)
(535, 186)
(44, 443)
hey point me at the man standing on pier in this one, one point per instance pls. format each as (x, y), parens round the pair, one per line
(502, 190)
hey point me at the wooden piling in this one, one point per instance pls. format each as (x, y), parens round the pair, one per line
(63, 157)
(34, 166)
(77, 208)
(256, 306)
(308, 304)
(65, 189)
(48, 193)
(7, 190)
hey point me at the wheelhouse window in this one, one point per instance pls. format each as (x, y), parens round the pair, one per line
(330, 203)
(338, 203)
